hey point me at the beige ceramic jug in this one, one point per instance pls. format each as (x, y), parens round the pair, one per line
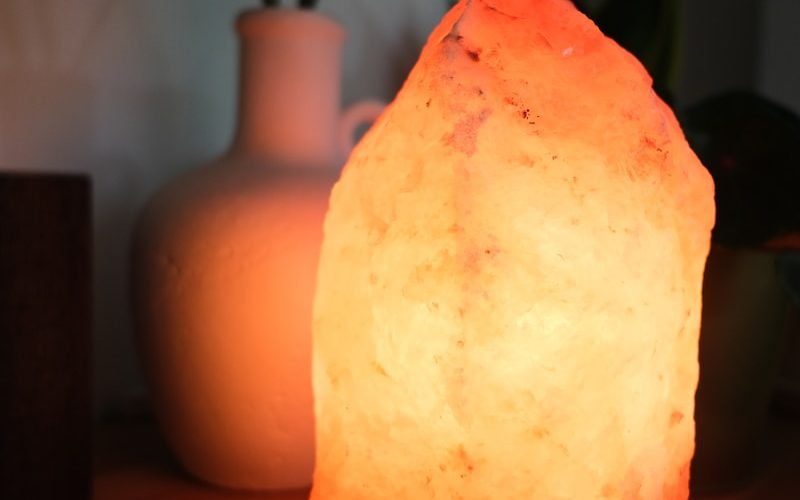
(225, 263)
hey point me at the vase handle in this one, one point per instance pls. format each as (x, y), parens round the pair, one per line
(360, 113)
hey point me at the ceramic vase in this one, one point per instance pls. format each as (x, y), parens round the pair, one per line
(225, 262)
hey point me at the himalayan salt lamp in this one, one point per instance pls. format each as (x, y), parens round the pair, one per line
(509, 292)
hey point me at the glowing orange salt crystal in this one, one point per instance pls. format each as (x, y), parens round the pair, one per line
(509, 292)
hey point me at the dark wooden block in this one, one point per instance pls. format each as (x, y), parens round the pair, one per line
(45, 341)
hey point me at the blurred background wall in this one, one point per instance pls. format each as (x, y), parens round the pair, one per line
(136, 91)
(778, 74)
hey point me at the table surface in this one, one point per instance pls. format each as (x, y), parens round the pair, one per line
(131, 462)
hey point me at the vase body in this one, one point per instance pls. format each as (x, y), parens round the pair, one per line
(225, 262)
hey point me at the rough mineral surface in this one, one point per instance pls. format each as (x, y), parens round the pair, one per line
(508, 301)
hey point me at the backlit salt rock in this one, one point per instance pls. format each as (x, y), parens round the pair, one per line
(508, 300)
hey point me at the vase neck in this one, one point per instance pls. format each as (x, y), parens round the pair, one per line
(289, 96)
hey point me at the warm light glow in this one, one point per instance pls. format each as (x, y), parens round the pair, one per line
(509, 293)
